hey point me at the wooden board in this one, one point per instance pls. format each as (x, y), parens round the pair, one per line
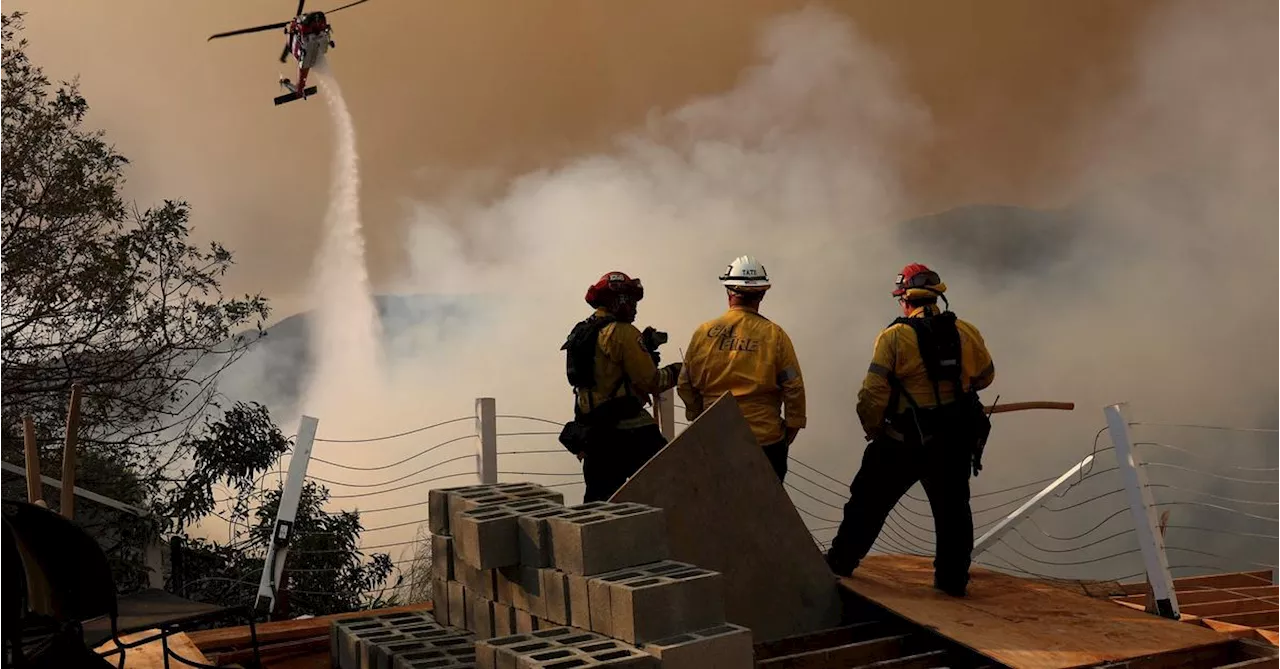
(284, 630)
(1021, 623)
(725, 510)
(151, 655)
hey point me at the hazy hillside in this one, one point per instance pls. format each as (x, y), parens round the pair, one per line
(276, 368)
(994, 242)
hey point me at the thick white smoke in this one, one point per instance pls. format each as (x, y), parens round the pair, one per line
(1156, 303)
(344, 325)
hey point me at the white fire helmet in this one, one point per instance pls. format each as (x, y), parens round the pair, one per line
(745, 274)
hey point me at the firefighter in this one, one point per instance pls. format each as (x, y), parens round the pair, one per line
(613, 369)
(746, 354)
(920, 411)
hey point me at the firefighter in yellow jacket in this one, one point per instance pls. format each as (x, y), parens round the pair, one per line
(746, 354)
(920, 411)
(613, 369)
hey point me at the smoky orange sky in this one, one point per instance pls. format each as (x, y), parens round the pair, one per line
(442, 90)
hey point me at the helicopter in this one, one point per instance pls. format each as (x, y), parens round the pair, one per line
(308, 36)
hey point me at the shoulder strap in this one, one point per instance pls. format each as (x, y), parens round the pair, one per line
(896, 390)
(938, 340)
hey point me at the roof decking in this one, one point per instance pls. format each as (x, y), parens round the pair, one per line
(1021, 623)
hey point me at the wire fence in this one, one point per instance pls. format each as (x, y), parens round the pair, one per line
(1083, 531)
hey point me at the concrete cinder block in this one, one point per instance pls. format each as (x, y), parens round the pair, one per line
(480, 617)
(432, 636)
(555, 591)
(555, 633)
(663, 567)
(481, 582)
(654, 607)
(524, 621)
(702, 598)
(440, 601)
(531, 504)
(460, 504)
(538, 492)
(504, 619)
(579, 605)
(553, 658)
(344, 639)
(441, 503)
(725, 646)
(507, 656)
(457, 604)
(596, 541)
(624, 657)
(523, 586)
(487, 537)
(459, 644)
(601, 617)
(402, 618)
(440, 658)
(438, 510)
(422, 659)
(368, 644)
(535, 536)
(487, 649)
(505, 582)
(383, 654)
(442, 557)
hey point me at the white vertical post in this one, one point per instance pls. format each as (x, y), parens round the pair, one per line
(273, 566)
(154, 560)
(1144, 514)
(664, 411)
(487, 431)
(1025, 510)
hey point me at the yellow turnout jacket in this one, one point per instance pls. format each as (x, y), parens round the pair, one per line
(897, 352)
(620, 349)
(750, 356)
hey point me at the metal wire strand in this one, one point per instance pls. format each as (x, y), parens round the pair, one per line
(1199, 456)
(396, 436)
(531, 418)
(1206, 505)
(398, 462)
(1211, 495)
(1053, 563)
(1263, 430)
(403, 487)
(395, 480)
(1165, 465)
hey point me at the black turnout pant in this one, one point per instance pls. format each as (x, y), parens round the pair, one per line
(614, 455)
(777, 454)
(889, 469)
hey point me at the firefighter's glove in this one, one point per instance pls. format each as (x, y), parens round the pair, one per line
(670, 374)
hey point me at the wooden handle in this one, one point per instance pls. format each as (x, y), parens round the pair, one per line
(1023, 406)
(35, 494)
(69, 454)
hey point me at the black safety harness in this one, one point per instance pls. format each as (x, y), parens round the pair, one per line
(580, 369)
(964, 419)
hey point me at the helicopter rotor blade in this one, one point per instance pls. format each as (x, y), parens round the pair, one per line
(244, 31)
(350, 4)
(300, 4)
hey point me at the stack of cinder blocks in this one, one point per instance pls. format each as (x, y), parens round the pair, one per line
(523, 572)
(406, 640)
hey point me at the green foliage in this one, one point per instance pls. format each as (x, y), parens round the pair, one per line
(231, 451)
(122, 301)
(325, 573)
(98, 292)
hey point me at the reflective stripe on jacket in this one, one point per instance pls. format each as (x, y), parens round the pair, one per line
(752, 357)
(897, 352)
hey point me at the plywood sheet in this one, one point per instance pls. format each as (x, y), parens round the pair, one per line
(727, 511)
(285, 630)
(1021, 623)
(151, 655)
